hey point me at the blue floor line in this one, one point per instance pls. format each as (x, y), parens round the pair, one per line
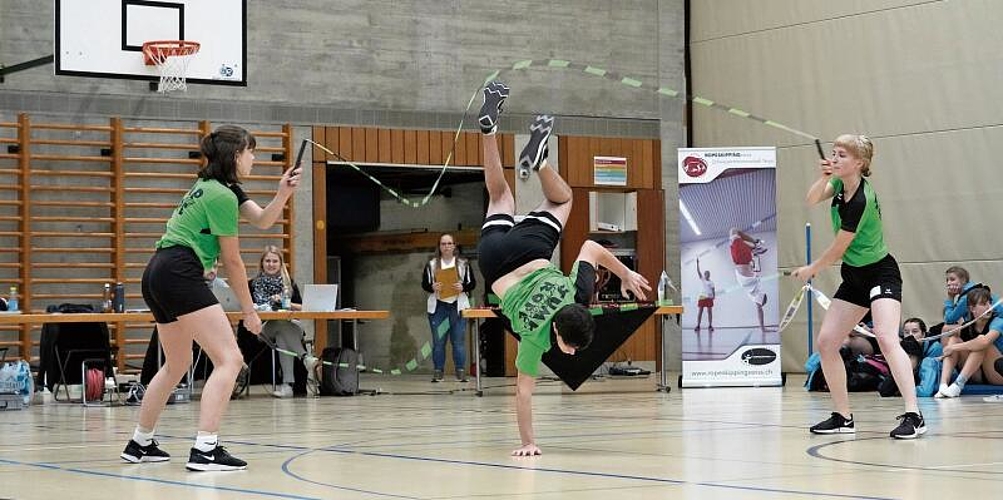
(158, 481)
(608, 475)
(290, 473)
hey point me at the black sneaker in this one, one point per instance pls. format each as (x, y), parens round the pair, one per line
(150, 453)
(911, 426)
(535, 152)
(217, 459)
(835, 424)
(495, 94)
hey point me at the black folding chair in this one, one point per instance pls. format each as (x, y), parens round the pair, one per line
(66, 346)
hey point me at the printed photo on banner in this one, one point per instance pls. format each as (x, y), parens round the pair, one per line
(728, 258)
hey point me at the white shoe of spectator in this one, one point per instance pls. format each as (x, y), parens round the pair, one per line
(283, 391)
(941, 391)
(952, 391)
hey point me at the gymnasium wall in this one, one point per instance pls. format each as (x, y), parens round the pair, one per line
(924, 79)
(395, 64)
(411, 64)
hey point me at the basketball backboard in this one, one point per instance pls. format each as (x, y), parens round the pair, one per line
(104, 38)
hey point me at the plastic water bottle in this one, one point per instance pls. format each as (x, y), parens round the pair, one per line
(663, 290)
(106, 304)
(12, 304)
(119, 298)
(287, 297)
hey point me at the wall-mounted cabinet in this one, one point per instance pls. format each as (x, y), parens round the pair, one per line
(614, 212)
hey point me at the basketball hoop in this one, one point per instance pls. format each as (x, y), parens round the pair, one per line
(171, 57)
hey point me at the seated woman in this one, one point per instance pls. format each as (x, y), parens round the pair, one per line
(924, 357)
(857, 344)
(913, 332)
(958, 284)
(975, 349)
(267, 290)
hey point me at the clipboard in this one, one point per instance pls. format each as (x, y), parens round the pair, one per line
(447, 277)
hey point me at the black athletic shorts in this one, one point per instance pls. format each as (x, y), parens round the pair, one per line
(505, 245)
(174, 284)
(864, 284)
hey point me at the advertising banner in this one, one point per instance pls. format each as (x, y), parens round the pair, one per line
(728, 235)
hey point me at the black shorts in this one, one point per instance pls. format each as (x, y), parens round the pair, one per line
(505, 246)
(174, 284)
(864, 284)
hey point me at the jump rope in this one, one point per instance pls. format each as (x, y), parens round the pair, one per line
(559, 64)
(795, 305)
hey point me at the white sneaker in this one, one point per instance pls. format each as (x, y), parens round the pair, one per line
(952, 391)
(941, 392)
(283, 391)
(995, 398)
(312, 364)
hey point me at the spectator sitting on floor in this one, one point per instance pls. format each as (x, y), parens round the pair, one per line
(976, 348)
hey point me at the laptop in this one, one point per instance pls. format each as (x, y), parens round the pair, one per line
(320, 298)
(224, 294)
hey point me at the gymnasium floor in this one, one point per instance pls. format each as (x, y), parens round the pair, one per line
(615, 439)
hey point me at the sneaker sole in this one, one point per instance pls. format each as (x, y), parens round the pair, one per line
(540, 132)
(493, 100)
(919, 432)
(213, 467)
(833, 431)
(137, 460)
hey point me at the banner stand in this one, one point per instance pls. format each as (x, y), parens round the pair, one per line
(729, 270)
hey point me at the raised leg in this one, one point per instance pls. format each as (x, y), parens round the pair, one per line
(500, 199)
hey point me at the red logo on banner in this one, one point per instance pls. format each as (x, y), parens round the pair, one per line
(694, 167)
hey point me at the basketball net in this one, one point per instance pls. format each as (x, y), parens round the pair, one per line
(171, 59)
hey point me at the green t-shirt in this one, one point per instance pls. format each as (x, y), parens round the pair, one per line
(531, 305)
(208, 211)
(860, 215)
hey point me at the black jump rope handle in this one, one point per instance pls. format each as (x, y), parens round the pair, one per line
(299, 156)
(818, 146)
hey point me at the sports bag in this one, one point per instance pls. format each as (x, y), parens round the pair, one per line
(339, 374)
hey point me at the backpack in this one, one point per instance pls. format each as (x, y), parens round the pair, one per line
(863, 372)
(866, 372)
(815, 380)
(339, 373)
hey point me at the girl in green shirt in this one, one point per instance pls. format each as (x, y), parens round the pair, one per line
(203, 228)
(871, 281)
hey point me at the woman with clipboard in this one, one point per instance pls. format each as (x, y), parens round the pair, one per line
(448, 280)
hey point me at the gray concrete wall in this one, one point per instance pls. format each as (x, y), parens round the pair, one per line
(396, 63)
